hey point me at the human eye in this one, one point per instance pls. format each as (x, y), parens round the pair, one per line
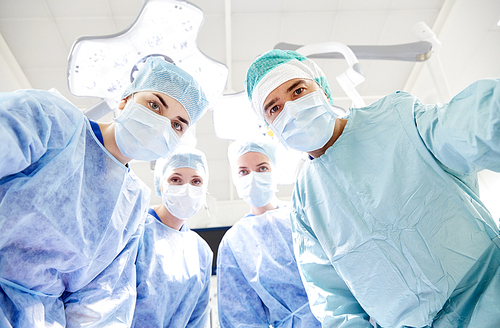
(243, 172)
(263, 169)
(175, 180)
(196, 182)
(298, 91)
(177, 126)
(154, 106)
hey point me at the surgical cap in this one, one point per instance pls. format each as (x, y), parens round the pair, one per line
(159, 75)
(276, 67)
(183, 156)
(261, 144)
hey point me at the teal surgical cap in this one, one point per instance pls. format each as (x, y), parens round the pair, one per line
(276, 67)
(261, 144)
(183, 156)
(159, 75)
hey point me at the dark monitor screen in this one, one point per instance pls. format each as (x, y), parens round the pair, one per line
(212, 236)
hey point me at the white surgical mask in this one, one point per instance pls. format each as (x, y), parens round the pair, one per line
(305, 124)
(143, 135)
(183, 201)
(256, 188)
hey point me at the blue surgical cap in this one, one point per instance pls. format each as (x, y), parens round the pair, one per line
(183, 156)
(261, 144)
(159, 75)
(276, 67)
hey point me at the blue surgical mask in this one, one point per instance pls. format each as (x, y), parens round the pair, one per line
(143, 135)
(305, 124)
(256, 188)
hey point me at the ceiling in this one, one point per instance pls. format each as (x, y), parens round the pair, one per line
(36, 37)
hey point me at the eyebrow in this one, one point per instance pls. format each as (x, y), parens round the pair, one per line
(290, 88)
(293, 86)
(183, 120)
(263, 163)
(161, 100)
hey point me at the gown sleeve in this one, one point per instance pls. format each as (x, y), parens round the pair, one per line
(31, 122)
(97, 305)
(239, 304)
(464, 134)
(329, 297)
(201, 313)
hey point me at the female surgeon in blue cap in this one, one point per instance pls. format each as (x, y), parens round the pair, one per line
(71, 210)
(258, 280)
(174, 264)
(386, 216)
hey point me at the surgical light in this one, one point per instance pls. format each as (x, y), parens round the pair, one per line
(103, 66)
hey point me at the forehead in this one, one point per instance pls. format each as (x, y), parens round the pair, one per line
(252, 158)
(185, 172)
(289, 86)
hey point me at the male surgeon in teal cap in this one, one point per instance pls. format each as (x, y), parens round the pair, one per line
(387, 222)
(71, 210)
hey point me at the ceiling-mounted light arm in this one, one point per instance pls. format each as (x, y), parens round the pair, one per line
(349, 79)
(425, 33)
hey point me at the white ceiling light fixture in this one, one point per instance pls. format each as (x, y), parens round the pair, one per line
(104, 66)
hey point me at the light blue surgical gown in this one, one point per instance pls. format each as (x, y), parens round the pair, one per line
(71, 217)
(258, 280)
(173, 277)
(388, 222)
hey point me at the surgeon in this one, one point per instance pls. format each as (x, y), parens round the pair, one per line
(387, 222)
(174, 264)
(71, 210)
(258, 280)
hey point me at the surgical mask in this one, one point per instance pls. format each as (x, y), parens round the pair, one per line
(143, 135)
(183, 201)
(305, 124)
(256, 188)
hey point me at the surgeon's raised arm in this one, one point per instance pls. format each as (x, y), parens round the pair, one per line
(464, 134)
(329, 297)
(32, 122)
(239, 304)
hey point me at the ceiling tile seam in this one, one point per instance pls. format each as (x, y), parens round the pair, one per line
(112, 16)
(56, 26)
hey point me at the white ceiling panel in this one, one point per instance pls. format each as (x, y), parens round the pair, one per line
(358, 27)
(399, 25)
(254, 34)
(26, 9)
(73, 28)
(420, 4)
(315, 21)
(36, 43)
(261, 6)
(123, 22)
(210, 7)
(239, 71)
(46, 78)
(125, 7)
(87, 8)
(312, 6)
(211, 38)
(378, 5)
